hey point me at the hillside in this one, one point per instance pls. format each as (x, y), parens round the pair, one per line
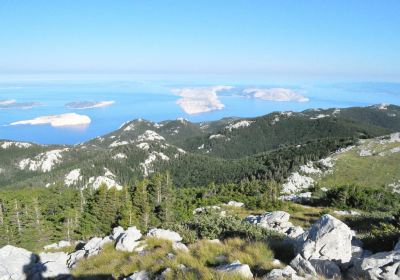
(222, 151)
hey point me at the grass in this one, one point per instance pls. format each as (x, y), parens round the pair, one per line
(200, 261)
(374, 170)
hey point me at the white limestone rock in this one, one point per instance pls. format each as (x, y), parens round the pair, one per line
(61, 244)
(91, 248)
(279, 274)
(165, 234)
(179, 246)
(117, 232)
(329, 239)
(302, 266)
(16, 263)
(384, 265)
(54, 264)
(128, 240)
(139, 275)
(326, 268)
(235, 203)
(236, 268)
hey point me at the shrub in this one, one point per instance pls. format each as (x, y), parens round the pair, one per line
(364, 198)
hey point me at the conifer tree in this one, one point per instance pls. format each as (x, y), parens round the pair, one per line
(141, 204)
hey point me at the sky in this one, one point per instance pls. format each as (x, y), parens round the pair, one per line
(358, 40)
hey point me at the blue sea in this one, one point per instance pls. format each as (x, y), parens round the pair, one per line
(154, 100)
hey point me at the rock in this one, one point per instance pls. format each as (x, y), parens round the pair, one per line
(128, 240)
(276, 262)
(54, 264)
(59, 245)
(397, 246)
(164, 234)
(206, 208)
(302, 266)
(139, 275)
(294, 232)
(384, 265)
(164, 274)
(237, 268)
(277, 221)
(328, 239)
(278, 274)
(170, 256)
(221, 259)
(235, 204)
(326, 268)
(299, 198)
(179, 246)
(117, 232)
(16, 263)
(347, 213)
(91, 248)
(74, 257)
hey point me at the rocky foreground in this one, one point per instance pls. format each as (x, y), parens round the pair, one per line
(328, 250)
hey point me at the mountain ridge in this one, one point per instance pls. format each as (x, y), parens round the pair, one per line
(140, 147)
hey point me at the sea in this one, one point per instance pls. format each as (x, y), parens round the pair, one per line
(156, 100)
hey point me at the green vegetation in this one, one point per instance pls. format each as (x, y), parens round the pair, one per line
(364, 198)
(202, 258)
(370, 171)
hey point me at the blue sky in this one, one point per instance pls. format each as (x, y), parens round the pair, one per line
(330, 39)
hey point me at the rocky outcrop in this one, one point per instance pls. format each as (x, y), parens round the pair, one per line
(236, 268)
(302, 266)
(53, 265)
(139, 275)
(165, 234)
(91, 248)
(383, 265)
(16, 263)
(128, 240)
(179, 246)
(279, 274)
(276, 221)
(57, 246)
(327, 239)
(233, 203)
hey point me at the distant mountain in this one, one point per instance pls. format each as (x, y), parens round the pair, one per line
(196, 153)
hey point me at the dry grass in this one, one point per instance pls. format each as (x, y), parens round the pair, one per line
(200, 261)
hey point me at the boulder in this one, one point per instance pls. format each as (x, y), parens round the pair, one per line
(128, 240)
(179, 246)
(278, 274)
(328, 239)
(302, 266)
(54, 264)
(16, 263)
(74, 257)
(277, 221)
(164, 234)
(326, 268)
(139, 275)
(294, 232)
(61, 244)
(236, 268)
(397, 246)
(384, 265)
(206, 208)
(235, 204)
(117, 232)
(91, 248)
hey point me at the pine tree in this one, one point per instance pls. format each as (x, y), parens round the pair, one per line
(127, 216)
(141, 204)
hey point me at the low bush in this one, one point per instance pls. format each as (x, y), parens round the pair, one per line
(363, 198)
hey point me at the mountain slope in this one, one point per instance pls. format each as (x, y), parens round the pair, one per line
(196, 153)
